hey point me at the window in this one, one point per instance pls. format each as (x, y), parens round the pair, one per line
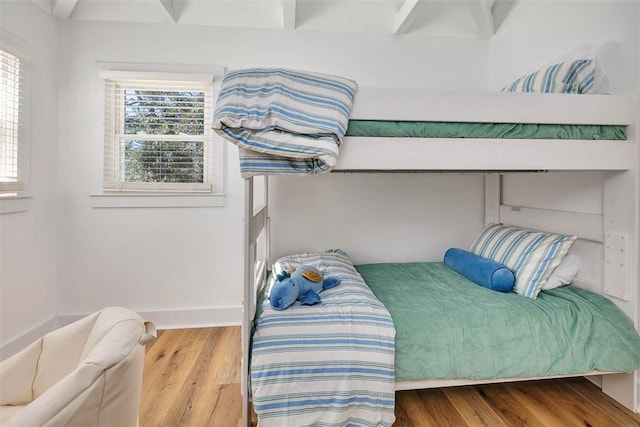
(158, 135)
(12, 122)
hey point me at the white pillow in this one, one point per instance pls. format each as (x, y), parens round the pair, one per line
(564, 273)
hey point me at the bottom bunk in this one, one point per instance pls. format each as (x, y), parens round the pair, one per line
(448, 327)
(335, 363)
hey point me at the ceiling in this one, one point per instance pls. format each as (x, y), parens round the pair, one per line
(429, 18)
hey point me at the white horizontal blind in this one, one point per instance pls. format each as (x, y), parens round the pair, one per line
(11, 112)
(158, 135)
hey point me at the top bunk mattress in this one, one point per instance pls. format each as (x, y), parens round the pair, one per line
(428, 129)
(447, 327)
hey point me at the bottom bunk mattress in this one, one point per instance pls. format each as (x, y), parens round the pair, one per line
(330, 364)
(447, 327)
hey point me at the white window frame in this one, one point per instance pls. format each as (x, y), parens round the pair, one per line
(16, 189)
(120, 194)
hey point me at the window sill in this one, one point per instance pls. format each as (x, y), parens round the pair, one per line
(124, 200)
(14, 204)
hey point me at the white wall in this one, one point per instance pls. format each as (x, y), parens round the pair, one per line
(377, 217)
(28, 239)
(193, 275)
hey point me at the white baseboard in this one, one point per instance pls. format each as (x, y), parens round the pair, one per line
(179, 319)
(195, 318)
(16, 344)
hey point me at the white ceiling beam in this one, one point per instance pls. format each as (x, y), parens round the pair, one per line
(63, 8)
(289, 14)
(483, 16)
(170, 8)
(406, 15)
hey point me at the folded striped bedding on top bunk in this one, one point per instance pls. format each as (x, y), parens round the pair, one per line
(331, 364)
(284, 121)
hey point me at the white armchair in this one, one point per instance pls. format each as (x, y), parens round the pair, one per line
(88, 373)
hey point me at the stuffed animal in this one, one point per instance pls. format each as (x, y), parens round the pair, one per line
(303, 283)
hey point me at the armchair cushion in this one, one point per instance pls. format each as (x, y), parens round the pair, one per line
(17, 374)
(7, 412)
(61, 351)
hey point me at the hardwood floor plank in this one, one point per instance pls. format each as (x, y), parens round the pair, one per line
(196, 409)
(525, 394)
(402, 418)
(603, 404)
(472, 407)
(409, 404)
(568, 408)
(175, 356)
(430, 407)
(192, 378)
(157, 362)
(440, 407)
(212, 377)
(228, 398)
(227, 355)
(512, 412)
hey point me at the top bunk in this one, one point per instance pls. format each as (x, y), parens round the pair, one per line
(393, 153)
(290, 122)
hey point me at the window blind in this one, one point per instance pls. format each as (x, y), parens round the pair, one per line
(11, 116)
(158, 135)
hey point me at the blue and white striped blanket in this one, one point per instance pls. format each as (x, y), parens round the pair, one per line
(330, 364)
(284, 121)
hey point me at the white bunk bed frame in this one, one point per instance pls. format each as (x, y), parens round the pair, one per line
(617, 228)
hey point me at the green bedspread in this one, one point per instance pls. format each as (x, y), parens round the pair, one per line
(449, 327)
(382, 128)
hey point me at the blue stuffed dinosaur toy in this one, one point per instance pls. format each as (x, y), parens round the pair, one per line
(303, 284)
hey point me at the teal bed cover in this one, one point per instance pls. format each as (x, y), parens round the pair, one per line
(448, 327)
(421, 129)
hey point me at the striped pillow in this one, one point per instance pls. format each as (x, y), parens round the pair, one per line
(576, 76)
(530, 254)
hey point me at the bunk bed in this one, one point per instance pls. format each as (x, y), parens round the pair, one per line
(617, 228)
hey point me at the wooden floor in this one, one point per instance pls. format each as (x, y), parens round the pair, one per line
(192, 378)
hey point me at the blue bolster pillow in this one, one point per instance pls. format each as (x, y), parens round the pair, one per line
(483, 271)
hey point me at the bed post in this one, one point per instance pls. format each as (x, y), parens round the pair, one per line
(267, 231)
(621, 226)
(247, 309)
(621, 267)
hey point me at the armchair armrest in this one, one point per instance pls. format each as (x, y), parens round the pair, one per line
(150, 332)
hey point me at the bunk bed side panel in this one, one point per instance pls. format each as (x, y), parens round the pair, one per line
(456, 154)
(491, 107)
